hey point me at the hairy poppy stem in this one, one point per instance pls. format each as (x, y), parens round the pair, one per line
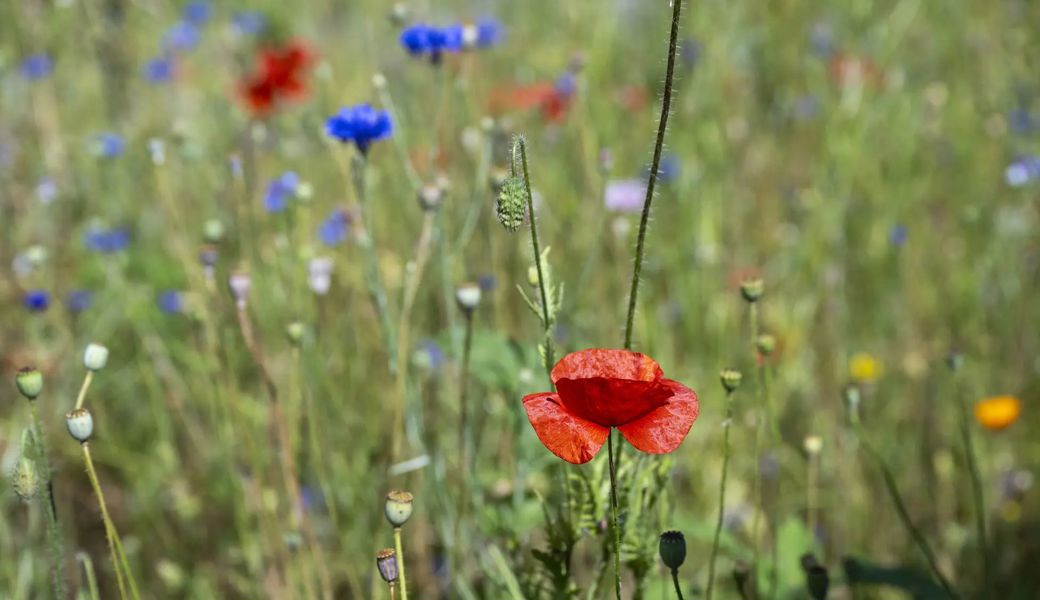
(614, 514)
(722, 495)
(675, 581)
(50, 509)
(976, 488)
(666, 104)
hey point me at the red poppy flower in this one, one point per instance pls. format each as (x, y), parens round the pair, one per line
(598, 389)
(279, 76)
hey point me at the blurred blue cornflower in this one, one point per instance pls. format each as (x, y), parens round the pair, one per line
(690, 53)
(279, 191)
(197, 12)
(36, 300)
(36, 67)
(107, 241)
(79, 300)
(248, 22)
(333, 230)
(897, 235)
(566, 84)
(806, 107)
(181, 37)
(426, 40)
(360, 124)
(667, 170)
(1023, 170)
(158, 69)
(429, 355)
(46, 189)
(821, 38)
(171, 302)
(1021, 122)
(481, 35)
(108, 145)
(487, 282)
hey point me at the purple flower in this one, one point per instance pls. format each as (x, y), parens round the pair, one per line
(46, 189)
(360, 124)
(171, 302)
(36, 300)
(1023, 170)
(107, 241)
(248, 22)
(79, 300)
(197, 12)
(333, 230)
(279, 191)
(426, 40)
(36, 67)
(1020, 121)
(181, 37)
(109, 145)
(897, 236)
(487, 283)
(429, 355)
(158, 70)
(625, 196)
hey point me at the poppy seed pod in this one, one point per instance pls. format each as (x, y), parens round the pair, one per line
(80, 424)
(430, 197)
(386, 562)
(213, 231)
(398, 507)
(95, 357)
(30, 382)
(730, 379)
(672, 549)
(467, 296)
(510, 205)
(751, 289)
(208, 255)
(765, 344)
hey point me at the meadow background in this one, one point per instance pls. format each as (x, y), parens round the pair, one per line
(874, 162)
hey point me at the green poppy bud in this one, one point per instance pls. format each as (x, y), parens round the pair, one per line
(25, 480)
(30, 382)
(294, 331)
(731, 379)
(765, 344)
(672, 549)
(751, 289)
(510, 206)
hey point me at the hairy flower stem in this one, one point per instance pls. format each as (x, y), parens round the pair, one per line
(722, 495)
(904, 517)
(83, 389)
(976, 488)
(614, 513)
(675, 581)
(666, 104)
(520, 147)
(398, 549)
(50, 509)
(115, 546)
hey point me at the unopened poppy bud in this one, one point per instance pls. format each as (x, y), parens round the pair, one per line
(751, 289)
(294, 331)
(95, 357)
(25, 480)
(765, 344)
(398, 507)
(468, 297)
(955, 360)
(672, 549)
(239, 282)
(731, 379)
(430, 197)
(510, 205)
(30, 382)
(386, 562)
(813, 444)
(213, 231)
(80, 424)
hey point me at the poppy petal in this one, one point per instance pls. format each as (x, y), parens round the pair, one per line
(611, 402)
(570, 437)
(662, 430)
(607, 363)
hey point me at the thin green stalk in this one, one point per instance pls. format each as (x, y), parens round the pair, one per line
(88, 573)
(464, 403)
(976, 488)
(907, 521)
(57, 550)
(520, 145)
(83, 389)
(614, 513)
(675, 581)
(118, 559)
(722, 495)
(644, 221)
(400, 563)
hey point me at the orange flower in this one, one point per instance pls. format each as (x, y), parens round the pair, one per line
(998, 412)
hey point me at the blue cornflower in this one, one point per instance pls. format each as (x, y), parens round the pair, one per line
(897, 235)
(1020, 121)
(426, 40)
(36, 67)
(46, 189)
(248, 22)
(333, 230)
(429, 355)
(107, 241)
(667, 170)
(181, 37)
(171, 302)
(79, 300)
(566, 84)
(690, 52)
(360, 124)
(108, 145)
(279, 192)
(158, 70)
(1023, 170)
(37, 300)
(487, 282)
(197, 12)
(821, 39)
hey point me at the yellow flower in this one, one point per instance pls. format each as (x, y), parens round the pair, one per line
(998, 412)
(864, 368)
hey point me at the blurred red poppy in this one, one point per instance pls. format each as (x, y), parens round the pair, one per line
(598, 389)
(280, 76)
(549, 98)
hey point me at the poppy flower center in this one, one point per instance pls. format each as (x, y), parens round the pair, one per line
(611, 402)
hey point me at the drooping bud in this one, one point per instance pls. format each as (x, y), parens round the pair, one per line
(510, 206)
(80, 424)
(25, 480)
(431, 197)
(766, 344)
(672, 549)
(467, 296)
(386, 562)
(731, 379)
(30, 382)
(95, 357)
(398, 507)
(751, 289)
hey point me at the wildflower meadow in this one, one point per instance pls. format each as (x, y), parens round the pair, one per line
(530, 299)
